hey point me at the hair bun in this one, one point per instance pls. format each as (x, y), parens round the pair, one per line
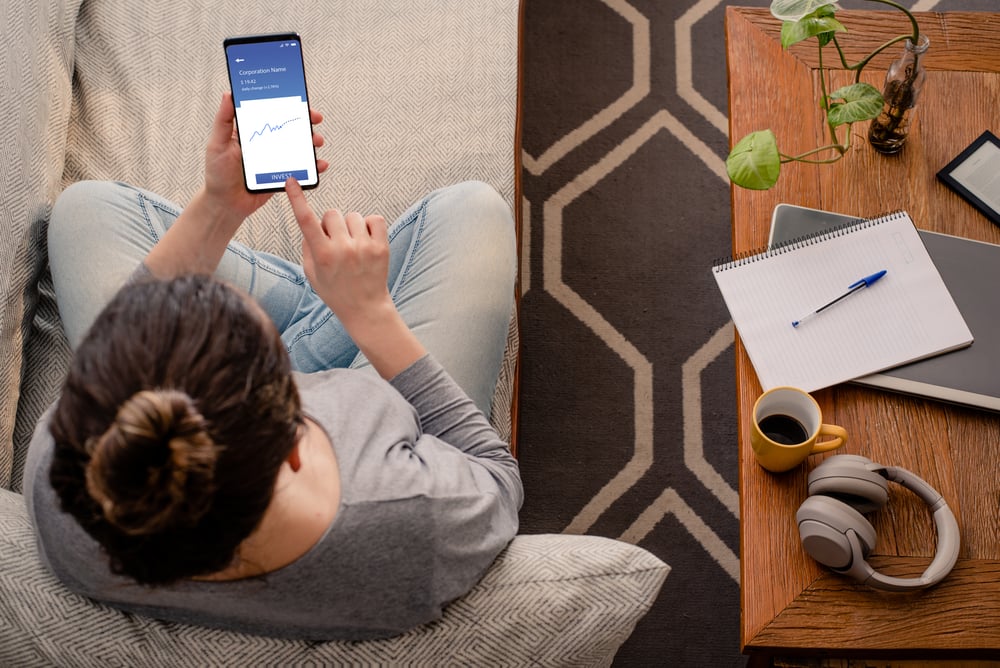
(152, 470)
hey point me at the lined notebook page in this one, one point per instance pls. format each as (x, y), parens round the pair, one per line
(905, 316)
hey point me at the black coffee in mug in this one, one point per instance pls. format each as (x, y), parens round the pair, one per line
(783, 429)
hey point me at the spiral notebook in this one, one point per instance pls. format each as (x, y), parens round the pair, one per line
(971, 270)
(905, 316)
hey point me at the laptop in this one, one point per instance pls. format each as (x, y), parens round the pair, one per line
(971, 270)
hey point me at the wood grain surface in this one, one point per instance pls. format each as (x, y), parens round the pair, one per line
(789, 603)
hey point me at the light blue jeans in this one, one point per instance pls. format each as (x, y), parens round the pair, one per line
(451, 275)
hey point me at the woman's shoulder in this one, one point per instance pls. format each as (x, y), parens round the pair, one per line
(39, 457)
(66, 549)
(335, 378)
(322, 391)
(355, 406)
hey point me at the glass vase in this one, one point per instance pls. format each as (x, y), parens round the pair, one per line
(887, 132)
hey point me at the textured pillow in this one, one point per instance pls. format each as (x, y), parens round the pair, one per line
(548, 600)
(416, 95)
(36, 70)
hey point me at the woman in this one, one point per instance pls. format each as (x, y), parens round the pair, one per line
(249, 444)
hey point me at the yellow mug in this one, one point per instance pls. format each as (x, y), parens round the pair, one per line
(786, 427)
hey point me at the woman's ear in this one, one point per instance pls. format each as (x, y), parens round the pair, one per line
(293, 459)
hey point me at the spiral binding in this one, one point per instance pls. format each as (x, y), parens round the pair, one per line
(847, 227)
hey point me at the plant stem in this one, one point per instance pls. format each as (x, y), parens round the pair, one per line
(913, 21)
(825, 102)
(840, 148)
(828, 161)
(860, 65)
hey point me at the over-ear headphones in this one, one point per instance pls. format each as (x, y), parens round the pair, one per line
(836, 534)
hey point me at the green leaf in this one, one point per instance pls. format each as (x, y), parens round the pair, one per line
(754, 162)
(816, 24)
(793, 10)
(861, 102)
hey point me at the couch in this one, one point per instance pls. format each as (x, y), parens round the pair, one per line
(417, 94)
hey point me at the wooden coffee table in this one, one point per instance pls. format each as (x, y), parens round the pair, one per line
(790, 604)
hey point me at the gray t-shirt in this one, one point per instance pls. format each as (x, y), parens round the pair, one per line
(429, 497)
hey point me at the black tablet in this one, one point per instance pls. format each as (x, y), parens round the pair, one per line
(975, 175)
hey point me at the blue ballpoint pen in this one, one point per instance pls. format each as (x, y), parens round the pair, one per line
(865, 282)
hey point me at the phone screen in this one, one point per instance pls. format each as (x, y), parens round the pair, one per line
(267, 77)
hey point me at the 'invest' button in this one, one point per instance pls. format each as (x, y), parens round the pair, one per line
(281, 177)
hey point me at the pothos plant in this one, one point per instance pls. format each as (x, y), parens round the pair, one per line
(755, 161)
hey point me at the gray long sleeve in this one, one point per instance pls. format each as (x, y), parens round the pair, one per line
(429, 497)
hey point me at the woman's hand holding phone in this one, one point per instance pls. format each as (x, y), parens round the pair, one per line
(198, 238)
(224, 163)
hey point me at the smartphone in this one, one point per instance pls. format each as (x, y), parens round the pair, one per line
(268, 79)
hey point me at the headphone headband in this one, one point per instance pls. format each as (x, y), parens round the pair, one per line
(914, 483)
(835, 533)
(948, 539)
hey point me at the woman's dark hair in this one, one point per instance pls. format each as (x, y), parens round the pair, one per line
(176, 415)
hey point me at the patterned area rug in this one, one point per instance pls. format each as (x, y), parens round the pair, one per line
(627, 389)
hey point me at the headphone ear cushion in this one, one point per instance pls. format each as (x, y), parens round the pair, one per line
(823, 525)
(848, 479)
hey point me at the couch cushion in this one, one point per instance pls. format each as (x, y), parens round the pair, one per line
(36, 70)
(415, 95)
(548, 600)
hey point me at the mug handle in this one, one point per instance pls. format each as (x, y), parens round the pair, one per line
(838, 438)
